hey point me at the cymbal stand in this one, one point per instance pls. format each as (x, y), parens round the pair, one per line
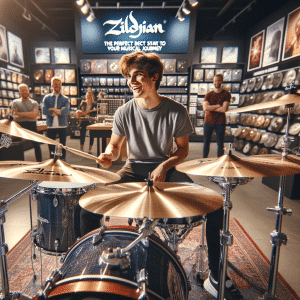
(277, 237)
(227, 185)
(4, 248)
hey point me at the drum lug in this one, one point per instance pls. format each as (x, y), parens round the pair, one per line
(55, 201)
(97, 238)
(145, 242)
(142, 280)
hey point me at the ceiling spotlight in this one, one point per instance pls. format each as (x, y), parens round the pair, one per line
(85, 9)
(91, 17)
(179, 16)
(185, 9)
(193, 2)
(80, 2)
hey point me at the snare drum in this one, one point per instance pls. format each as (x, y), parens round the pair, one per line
(84, 275)
(58, 224)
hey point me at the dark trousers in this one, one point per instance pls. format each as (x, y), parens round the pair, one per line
(137, 172)
(208, 130)
(37, 148)
(83, 133)
(62, 134)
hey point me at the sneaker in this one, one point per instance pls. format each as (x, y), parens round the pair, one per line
(230, 293)
(89, 152)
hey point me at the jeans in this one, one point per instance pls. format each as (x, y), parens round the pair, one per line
(62, 134)
(83, 133)
(138, 172)
(37, 148)
(220, 133)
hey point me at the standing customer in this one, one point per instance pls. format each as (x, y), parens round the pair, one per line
(87, 108)
(56, 108)
(25, 112)
(215, 105)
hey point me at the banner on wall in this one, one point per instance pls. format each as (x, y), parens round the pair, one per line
(255, 51)
(123, 31)
(291, 46)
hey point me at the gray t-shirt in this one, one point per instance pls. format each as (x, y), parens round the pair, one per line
(150, 133)
(25, 106)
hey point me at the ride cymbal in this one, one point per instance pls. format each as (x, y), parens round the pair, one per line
(284, 100)
(55, 170)
(13, 128)
(160, 200)
(230, 165)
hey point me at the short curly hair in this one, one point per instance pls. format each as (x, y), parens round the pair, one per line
(149, 62)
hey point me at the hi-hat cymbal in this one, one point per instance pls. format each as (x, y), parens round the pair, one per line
(162, 200)
(230, 165)
(55, 170)
(13, 128)
(284, 100)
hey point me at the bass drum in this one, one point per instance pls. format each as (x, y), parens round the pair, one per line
(84, 275)
(58, 225)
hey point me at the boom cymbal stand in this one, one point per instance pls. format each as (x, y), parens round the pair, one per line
(277, 237)
(6, 294)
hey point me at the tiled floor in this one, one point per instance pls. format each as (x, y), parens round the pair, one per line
(250, 203)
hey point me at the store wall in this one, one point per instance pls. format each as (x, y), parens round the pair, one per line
(263, 25)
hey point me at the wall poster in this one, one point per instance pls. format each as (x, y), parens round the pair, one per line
(230, 55)
(273, 43)
(291, 46)
(15, 50)
(3, 44)
(255, 51)
(209, 55)
(42, 55)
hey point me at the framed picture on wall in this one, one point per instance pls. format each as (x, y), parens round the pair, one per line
(273, 43)
(15, 50)
(42, 55)
(255, 51)
(209, 55)
(291, 47)
(230, 55)
(61, 55)
(3, 44)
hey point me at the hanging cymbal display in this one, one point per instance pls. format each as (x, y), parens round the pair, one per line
(276, 124)
(259, 83)
(288, 78)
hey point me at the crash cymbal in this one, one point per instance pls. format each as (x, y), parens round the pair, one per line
(276, 124)
(289, 77)
(257, 136)
(264, 137)
(262, 151)
(279, 143)
(244, 133)
(271, 141)
(277, 79)
(259, 98)
(243, 86)
(247, 147)
(251, 134)
(55, 170)
(267, 121)
(284, 100)
(268, 82)
(238, 132)
(289, 158)
(254, 150)
(251, 84)
(294, 129)
(252, 99)
(230, 165)
(297, 80)
(161, 200)
(259, 83)
(238, 144)
(13, 128)
(259, 121)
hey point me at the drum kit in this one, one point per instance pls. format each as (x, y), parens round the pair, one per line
(122, 262)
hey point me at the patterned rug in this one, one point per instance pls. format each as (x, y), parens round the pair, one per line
(247, 266)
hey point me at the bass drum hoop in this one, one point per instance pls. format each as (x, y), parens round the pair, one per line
(98, 284)
(133, 230)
